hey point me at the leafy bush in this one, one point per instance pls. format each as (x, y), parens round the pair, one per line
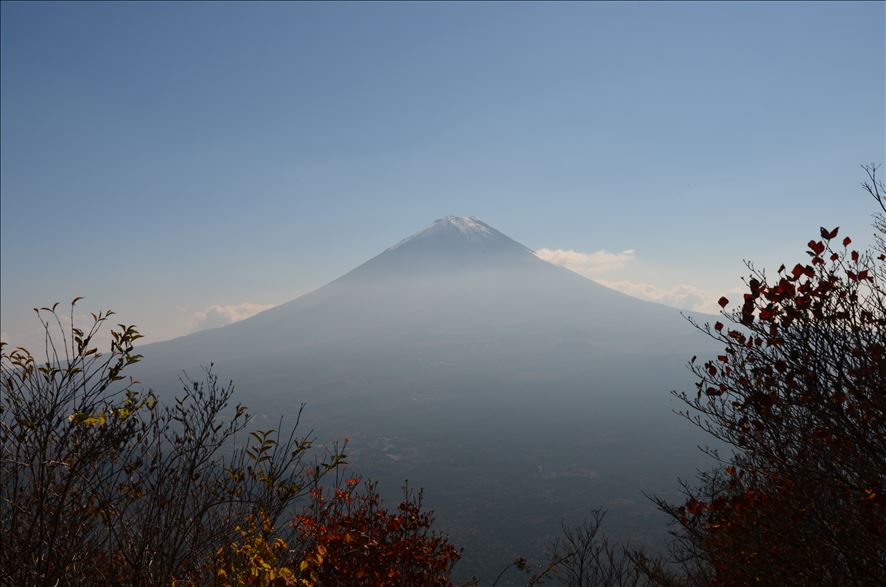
(351, 539)
(103, 484)
(799, 393)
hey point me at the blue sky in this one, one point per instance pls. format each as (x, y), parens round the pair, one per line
(184, 163)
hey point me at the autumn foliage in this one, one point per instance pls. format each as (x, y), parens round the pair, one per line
(352, 539)
(344, 536)
(255, 557)
(799, 394)
(104, 484)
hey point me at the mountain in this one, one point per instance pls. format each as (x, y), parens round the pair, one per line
(515, 391)
(459, 277)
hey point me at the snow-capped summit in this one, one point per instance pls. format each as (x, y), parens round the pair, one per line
(452, 243)
(469, 227)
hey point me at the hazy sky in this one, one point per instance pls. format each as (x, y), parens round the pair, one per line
(188, 164)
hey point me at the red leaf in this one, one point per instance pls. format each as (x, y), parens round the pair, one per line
(846, 241)
(723, 301)
(816, 247)
(828, 235)
(767, 314)
(718, 326)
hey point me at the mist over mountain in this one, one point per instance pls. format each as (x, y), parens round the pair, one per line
(516, 392)
(457, 277)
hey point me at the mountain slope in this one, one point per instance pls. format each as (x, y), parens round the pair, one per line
(517, 392)
(458, 277)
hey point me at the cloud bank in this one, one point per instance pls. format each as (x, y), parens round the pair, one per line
(587, 264)
(222, 315)
(593, 265)
(687, 297)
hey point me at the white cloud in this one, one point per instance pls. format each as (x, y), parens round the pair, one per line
(587, 264)
(593, 265)
(221, 315)
(686, 297)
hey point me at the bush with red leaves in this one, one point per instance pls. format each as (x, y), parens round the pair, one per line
(349, 538)
(799, 393)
